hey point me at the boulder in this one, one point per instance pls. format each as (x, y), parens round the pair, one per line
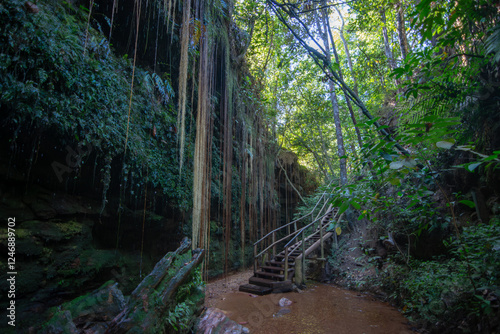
(215, 321)
(285, 302)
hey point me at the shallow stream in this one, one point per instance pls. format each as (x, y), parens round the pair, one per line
(319, 309)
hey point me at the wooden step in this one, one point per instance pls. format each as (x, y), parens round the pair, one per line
(270, 275)
(256, 289)
(275, 268)
(283, 256)
(279, 263)
(262, 281)
(277, 286)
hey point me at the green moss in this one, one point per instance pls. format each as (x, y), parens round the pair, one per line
(52, 231)
(61, 323)
(22, 233)
(70, 228)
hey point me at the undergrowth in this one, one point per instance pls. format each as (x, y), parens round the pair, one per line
(450, 293)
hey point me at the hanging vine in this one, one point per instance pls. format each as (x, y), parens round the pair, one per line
(183, 71)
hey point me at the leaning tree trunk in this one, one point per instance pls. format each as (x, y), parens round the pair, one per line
(347, 53)
(150, 302)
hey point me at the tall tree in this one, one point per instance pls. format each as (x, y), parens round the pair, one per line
(347, 52)
(403, 39)
(387, 43)
(326, 22)
(335, 104)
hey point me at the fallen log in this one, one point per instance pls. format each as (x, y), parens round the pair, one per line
(147, 309)
(151, 300)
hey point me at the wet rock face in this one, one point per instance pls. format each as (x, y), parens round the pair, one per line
(54, 252)
(57, 256)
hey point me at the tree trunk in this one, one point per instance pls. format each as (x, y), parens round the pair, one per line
(325, 151)
(347, 53)
(150, 301)
(387, 45)
(334, 49)
(403, 40)
(338, 132)
(336, 111)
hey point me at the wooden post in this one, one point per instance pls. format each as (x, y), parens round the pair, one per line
(274, 245)
(298, 271)
(286, 263)
(303, 257)
(321, 242)
(254, 258)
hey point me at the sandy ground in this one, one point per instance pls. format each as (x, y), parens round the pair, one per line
(216, 289)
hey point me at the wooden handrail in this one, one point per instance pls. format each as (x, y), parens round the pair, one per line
(314, 221)
(296, 220)
(277, 242)
(293, 234)
(302, 243)
(288, 236)
(320, 230)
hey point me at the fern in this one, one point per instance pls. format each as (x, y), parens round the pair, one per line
(492, 44)
(413, 110)
(160, 86)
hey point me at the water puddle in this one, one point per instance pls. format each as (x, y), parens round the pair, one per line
(319, 309)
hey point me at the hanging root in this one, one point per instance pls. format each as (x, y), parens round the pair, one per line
(183, 71)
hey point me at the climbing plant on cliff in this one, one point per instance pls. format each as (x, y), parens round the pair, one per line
(82, 96)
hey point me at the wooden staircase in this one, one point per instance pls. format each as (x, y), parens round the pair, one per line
(275, 276)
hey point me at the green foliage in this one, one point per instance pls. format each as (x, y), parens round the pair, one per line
(434, 289)
(441, 290)
(187, 297)
(180, 317)
(481, 246)
(194, 282)
(54, 81)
